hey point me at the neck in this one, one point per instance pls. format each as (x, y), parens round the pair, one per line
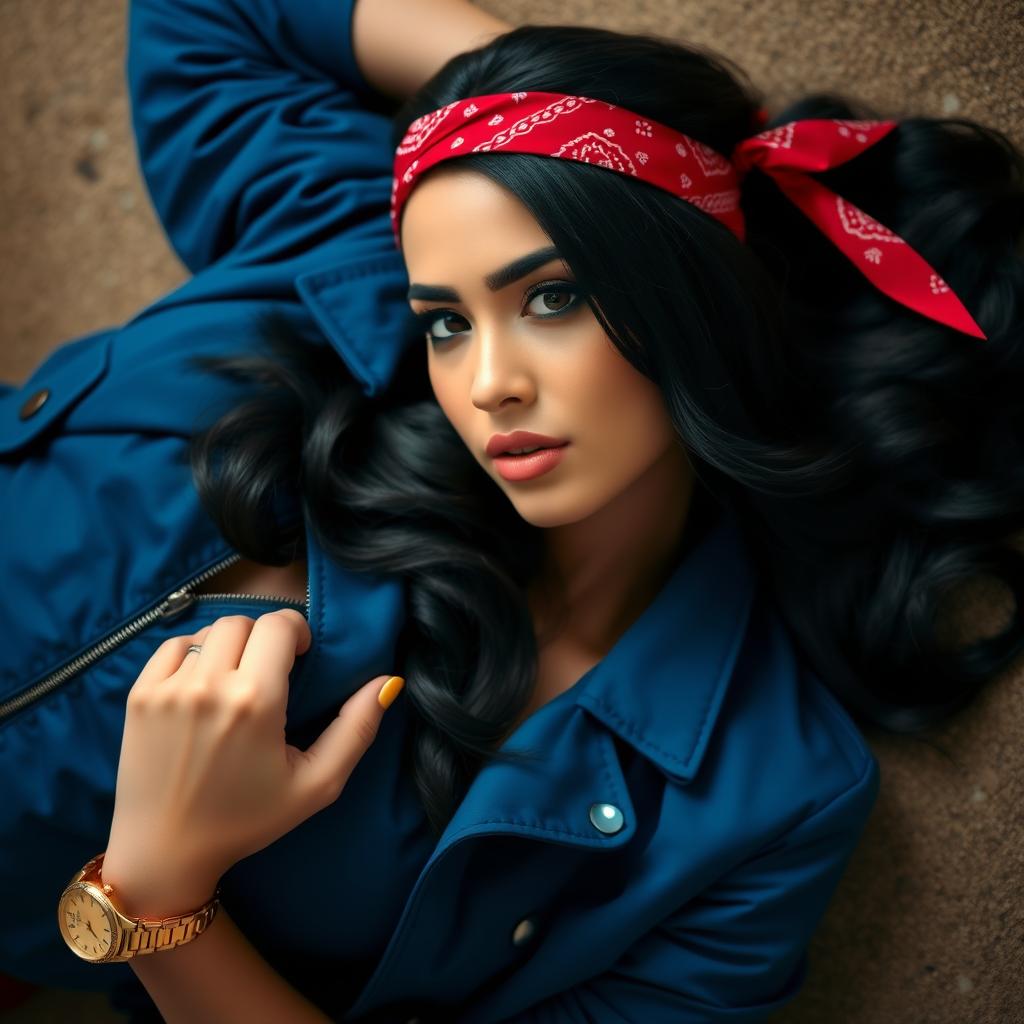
(599, 574)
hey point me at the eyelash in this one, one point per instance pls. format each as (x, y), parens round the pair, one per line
(430, 316)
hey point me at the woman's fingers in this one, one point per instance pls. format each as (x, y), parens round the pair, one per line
(223, 645)
(263, 649)
(168, 657)
(269, 656)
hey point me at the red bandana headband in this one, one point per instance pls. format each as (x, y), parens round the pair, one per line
(595, 132)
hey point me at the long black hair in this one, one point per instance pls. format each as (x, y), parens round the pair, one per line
(873, 456)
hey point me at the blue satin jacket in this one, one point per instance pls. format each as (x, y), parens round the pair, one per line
(700, 791)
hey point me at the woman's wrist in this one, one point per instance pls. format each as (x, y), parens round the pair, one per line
(399, 44)
(143, 891)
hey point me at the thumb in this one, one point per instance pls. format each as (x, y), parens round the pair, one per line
(323, 769)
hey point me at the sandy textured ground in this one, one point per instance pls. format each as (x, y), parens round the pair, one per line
(927, 926)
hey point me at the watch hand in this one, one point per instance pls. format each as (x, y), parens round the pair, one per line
(89, 926)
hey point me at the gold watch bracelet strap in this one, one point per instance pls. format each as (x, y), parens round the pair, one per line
(148, 935)
(166, 933)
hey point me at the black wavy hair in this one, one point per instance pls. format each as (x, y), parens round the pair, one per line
(873, 456)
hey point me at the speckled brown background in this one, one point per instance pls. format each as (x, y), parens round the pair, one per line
(927, 926)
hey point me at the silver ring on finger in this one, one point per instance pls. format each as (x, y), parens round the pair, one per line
(193, 648)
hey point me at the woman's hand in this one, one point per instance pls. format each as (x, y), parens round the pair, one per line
(206, 777)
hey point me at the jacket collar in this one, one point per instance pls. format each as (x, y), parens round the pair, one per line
(661, 686)
(659, 689)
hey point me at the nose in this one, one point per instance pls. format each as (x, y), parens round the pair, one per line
(502, 373)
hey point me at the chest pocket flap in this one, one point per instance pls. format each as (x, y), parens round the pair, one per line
(66, 376)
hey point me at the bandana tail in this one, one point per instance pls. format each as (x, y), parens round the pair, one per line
(884, 258)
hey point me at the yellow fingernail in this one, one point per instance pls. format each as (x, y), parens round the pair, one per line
(389, 691)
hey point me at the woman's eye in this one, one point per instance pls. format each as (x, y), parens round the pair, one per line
(452, 324)
(544, 302)
(551, 301)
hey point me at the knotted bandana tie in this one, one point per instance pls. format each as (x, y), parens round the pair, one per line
(605, 135)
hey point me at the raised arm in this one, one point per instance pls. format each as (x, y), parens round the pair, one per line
(251, 115)
(399, 44)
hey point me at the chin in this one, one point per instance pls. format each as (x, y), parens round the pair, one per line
(547, 522)
(549, 510)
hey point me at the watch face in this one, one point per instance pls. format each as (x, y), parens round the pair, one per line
(86, 924)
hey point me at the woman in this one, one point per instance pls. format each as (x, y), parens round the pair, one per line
(616, 788)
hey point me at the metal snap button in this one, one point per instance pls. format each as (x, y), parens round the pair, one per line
(606, 818)
(34, 403)
(523, 932)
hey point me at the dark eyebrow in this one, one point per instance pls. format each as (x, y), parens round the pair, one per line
(502, 277)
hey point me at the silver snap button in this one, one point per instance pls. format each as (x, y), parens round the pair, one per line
(606, 818)
(523, 932)
(34, 403)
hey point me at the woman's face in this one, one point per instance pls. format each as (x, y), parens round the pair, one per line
(526, 354)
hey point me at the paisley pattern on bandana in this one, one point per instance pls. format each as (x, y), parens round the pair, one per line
(862, 226)
(711, 163)
(592, 148)
(599, 133)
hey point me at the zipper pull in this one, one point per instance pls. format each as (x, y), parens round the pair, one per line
(176, 603)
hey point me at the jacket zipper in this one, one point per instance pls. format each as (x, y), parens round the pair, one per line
(170, 607)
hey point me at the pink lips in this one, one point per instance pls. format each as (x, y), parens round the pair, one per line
(550, 453)
(526, 467)
(500, 443)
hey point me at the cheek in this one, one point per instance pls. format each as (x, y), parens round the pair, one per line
(628, 424)
(621, 403)
(596, 374)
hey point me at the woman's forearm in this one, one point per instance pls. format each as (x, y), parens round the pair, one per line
(399, 44)
(220, 978)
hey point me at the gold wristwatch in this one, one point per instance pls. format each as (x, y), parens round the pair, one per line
(99, 933)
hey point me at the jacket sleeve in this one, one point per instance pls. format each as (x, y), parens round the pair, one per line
(737, 953)
(250, 118)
